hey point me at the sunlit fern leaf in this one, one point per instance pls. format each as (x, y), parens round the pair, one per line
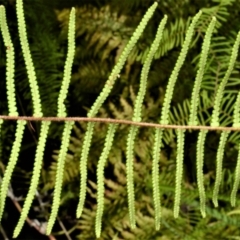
(137, 116)
(200, 177)
(219, 11)
(236, 180)
(35, 177)
(59, 175)
(11, 164)
(179, 171)
(221, 88)
(12, 109)
(173, 36)
(164, 119)
(100, 177)
(202, 63)
(220, 155)
(101, 98)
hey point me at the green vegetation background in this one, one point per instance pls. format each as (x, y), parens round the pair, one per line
(102, 30)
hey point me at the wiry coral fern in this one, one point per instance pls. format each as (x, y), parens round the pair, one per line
(101, 98)
(191, 113)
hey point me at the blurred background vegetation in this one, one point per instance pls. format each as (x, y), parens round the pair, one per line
(102, 30)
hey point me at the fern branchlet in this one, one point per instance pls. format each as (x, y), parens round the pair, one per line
(59, 174)
(220, 154)
(200, 177)
(220, 91)
(37, 107)
(35, 178)
(100, 177)
(155, 177)
(101, 98)
(164, 116)
(179, 171)
(12, 105)
(137, 117)
(11, 164)
(83, 167)
(200, 72)
(130, 174)
(236, 180)
(177, 67)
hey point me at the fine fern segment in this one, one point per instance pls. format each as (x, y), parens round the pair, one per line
(179, 171)
(236, 123)
(193, 114)
(137, 118)
(37, 111)
(137, 112)
(177, 67)
(45, 125)
(220, 154)
(11, 97)
(220, 91)
(215, 119)
(164, 116)
(59, 174)
(130, 174)
(37, 107)
(83, 167)
(68, 65)
(68, 125)
(10, 65)
(118, 67)
(36, 174)
(200, 177)
(236, 113)
(11, 164)
(236, 180)
(200, 72)
(101, 98)
(155, 178)
(100, 177)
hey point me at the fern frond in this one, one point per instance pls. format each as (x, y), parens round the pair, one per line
(101, 98)
(236, 180)
(219, 95)
(137, 117)
(220, 154)
(202, 63)
(164, 116)
(83, 167)
(68, 125)
(145, 70)
(200, 177)
(59, 174)
(172, 37)
(177, 67)
(155, 177)
(220, 11)
(12, 105)
(130, 175)
(37, 107)
(12, 110)
(100, 177)
(11, 163)
(35, 177)
(68, 65)
(236, 113)
(179, 171)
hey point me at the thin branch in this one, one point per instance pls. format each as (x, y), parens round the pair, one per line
(3, 233)
(119, 121)
(64, 229)
(30, 222)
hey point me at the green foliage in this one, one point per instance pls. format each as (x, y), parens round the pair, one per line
(214, 101)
